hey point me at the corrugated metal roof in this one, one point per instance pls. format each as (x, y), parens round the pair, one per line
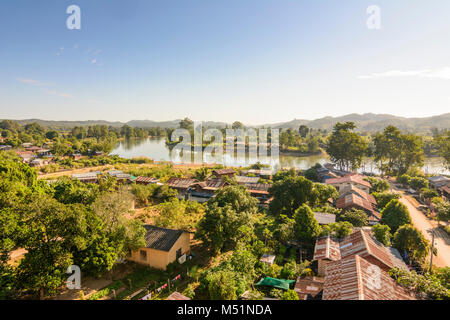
(308, 286)
(244, 179)
(182, 183)
(327, 248)
(350, 178)
(161, 238)
(355, 190)
(355, 278)
(325, 218)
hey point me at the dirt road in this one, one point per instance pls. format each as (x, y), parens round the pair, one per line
(426, 226)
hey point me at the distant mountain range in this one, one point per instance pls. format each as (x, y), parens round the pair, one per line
(365, 122)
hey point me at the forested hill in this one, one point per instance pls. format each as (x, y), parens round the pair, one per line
(364, 122)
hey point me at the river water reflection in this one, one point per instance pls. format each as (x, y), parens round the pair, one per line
(156, 149)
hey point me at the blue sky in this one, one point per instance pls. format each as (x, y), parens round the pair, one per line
(257, 61)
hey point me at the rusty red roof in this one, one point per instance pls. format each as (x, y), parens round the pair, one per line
(351, 200)
(224, 171)
(181, 183)
(148, 180)
(361, 243)
(355, 278)
(349, 178)
(327, 248)
(177, 296)
(308, 286)
(353, 189)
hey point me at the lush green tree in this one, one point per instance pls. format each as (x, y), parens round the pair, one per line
(443, 211)
(383, 198)
(397, 152)
(358, 218)
(306, 227)
(338, 230)
(345, 147)
(404, 179)
(382, 233)
(237, 125)
(187, 124)
(52, 134)
(322, 193)
(289, 295)
(395, 214)
(429, 193)
(303, 131)
(225, 215)
(292, 270)
(377, 185)
(443, 143)
(179, 214)
(112, 209)
(289, 194)
(285, 229)
(410, 240)
(418, 183)
(428, 286)
(202, 174)
(222, 285)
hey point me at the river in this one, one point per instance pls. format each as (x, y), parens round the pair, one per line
(156, 149)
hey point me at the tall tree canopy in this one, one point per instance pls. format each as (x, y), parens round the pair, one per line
(345, 147)
(396, 152)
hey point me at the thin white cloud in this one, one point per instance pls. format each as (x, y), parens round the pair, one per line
(442, 73)
(94, 61)
(47, 90)
(30, 81)
(58, 94)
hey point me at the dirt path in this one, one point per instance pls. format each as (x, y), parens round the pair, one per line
(74, 171)
(426, 226)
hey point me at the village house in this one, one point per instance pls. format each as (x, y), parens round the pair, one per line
(445, 192)
(325, 251)
(27, 145)
(262, 173)
(261, 192)
(27, 156)
(360, 242)
(437, 182)
(360, 193)
(121, 177)
(147, 180)
(221, 173)
(243, 180)
(182, 185)
(5, 147)
(77, 156)
(89, 177)
(39, 162)
(162, 247)
(352, 200)
(309, 288)
(349, 180)
(205, 190)
(352, 278)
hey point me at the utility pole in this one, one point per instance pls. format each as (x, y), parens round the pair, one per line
(432, 250)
